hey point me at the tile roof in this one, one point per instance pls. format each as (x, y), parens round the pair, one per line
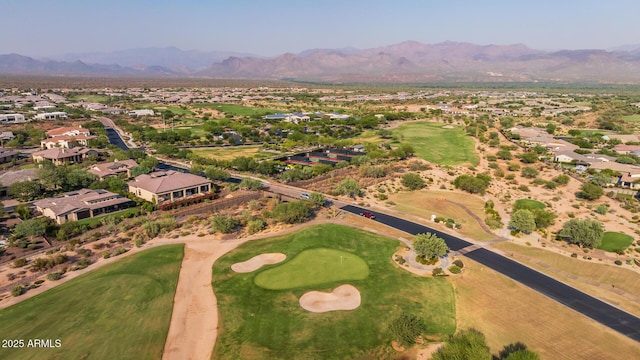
(11, 177)
(112, 168)
(75, 201)
(59, 153)
(67, 131)
(165, 181)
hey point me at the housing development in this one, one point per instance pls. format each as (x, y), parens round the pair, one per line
(311, 221)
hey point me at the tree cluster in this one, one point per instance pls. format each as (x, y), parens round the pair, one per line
(474, 184)
(587, 233)
(429, 245)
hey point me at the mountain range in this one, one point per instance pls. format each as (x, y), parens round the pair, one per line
(406, 62)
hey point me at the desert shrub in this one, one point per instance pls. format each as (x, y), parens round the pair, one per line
(19, 262)
(538, 181)
(602, 209)
(406, 328)
(454, 269)
(106, 254)
(84, 252)
(17, 291)
(618, 262)
(255, 225)
(291, 213)
(372, 171)
(437, 272)
(81, 264)
(54, 276)
(412, 181)
(41, 264)
(224, 223)
(529, 172)
(458, 263)
(513, 167)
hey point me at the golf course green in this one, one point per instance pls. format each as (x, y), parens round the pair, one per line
(260, 314)
(314, 267)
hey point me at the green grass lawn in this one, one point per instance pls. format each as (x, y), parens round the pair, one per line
(434, 143)
(631, 118)
(528, 204)
(236, 110)
(120, 311)
(258, 323)
(615, 241)
(314, 267)
(175, 110)
(118, 215)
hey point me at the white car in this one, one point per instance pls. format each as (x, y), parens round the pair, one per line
(305, 196)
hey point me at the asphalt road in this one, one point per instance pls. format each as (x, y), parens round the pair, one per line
(115, 139)
(608, 315)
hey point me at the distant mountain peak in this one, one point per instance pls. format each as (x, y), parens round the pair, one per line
(407, 61)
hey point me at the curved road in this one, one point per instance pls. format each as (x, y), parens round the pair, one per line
(608, 315)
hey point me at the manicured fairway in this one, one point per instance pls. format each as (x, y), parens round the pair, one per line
(529, 204)
(314, 267)
(632, 118)
(615, 241)
(432, 142)
(258, 323)
(120, 311)
(233, 110)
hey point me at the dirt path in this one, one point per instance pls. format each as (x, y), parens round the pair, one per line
(194, 321)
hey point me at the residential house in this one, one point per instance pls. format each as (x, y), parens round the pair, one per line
(68, 131)
(612, 165)
(142, 112)
(81, 204)
(51, 115)
(630, 180)
(111, 110)
(168, 186)
(6, 136)
(7, 155)
(624, 138)
(548, 142)
(569, 156)
(61, 156)
(10, 177)
(624, 149)
(114, 168)
(12, 119)
(67, 142)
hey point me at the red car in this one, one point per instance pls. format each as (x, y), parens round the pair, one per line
(368, 215)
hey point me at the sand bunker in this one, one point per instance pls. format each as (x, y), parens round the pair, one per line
(257, 262)
(344, 297)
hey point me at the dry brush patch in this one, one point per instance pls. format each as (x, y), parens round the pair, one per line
(507, 312)
(608, 282)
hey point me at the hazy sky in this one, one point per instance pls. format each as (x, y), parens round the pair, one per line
(272, 27)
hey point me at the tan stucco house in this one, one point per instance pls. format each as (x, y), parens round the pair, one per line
(168, 186)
